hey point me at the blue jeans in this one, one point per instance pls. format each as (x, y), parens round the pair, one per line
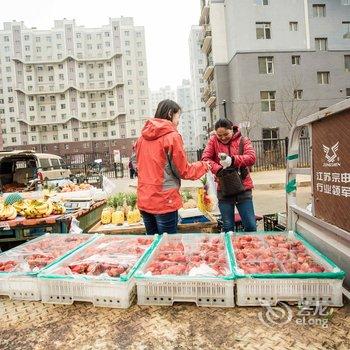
(246, 211)
(160, 223)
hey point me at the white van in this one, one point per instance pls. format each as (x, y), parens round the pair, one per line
(20, 167)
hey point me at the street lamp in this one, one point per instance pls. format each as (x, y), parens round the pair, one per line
(224, 104)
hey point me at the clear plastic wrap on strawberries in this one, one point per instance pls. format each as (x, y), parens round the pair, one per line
(191, 255)
(32, 257)
(274, 254)
(106, 257)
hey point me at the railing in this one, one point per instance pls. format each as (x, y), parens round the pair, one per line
(271, 154)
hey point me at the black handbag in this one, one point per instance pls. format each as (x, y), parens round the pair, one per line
(230, 179)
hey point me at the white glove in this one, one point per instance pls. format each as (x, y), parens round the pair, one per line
(225, 163)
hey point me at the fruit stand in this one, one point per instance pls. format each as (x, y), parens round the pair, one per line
(21, 229)
(27, 215)
(86, 217)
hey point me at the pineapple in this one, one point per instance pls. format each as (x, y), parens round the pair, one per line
(133, 215)
(118, 217)
(106, 216)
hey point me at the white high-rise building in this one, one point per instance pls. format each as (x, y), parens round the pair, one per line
(198, 64)
(73, 90)
(187, 126)
(164, 93)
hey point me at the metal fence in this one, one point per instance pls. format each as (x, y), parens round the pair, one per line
(272, 154)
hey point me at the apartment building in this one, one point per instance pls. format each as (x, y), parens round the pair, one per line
(164, 93)
(274, 61)
(197, 67)
(187, 122)
(73, 90)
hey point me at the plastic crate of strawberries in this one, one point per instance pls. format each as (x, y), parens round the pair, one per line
(279, 255)
(105, 258)
(188, 256)
(32, 257)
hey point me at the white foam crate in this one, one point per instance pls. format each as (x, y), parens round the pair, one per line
(202, 292)
(26, 286)
(252, 291)
(259, 291)
(20, 288)
(113, 294)
(210, 292)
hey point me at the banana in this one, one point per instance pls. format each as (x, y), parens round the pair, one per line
(49, 208)
(12, 214)
(40, 206)
(7, 212)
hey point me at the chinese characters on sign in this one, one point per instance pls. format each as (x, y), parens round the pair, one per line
(335, 184)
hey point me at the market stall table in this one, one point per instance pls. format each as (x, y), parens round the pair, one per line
(209, 226)
(86, 217)
(21, 229)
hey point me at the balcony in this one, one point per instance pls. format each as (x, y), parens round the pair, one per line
(206, 45)
(208, 70)
(206, 93)
(205, 12)
(87, 58)
(42, 91)
(211, 99)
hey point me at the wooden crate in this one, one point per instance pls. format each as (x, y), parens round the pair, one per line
(206, 227)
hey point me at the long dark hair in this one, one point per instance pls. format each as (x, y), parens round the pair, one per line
(225, 123)
(166, 109)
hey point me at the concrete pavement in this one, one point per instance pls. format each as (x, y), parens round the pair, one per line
(263, 180)
(269, 194)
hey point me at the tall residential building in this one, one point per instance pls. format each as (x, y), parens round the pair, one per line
(198, 64)
(274, 61)
(187, 125)
(73, 90)
(164, 93)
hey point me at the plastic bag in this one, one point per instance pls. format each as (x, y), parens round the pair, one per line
(212, 191)
(109, 186)
(74, 227)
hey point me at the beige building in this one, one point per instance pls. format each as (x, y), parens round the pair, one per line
(73, 90)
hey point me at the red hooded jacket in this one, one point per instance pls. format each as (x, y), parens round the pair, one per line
(247, 159)
(161, 163)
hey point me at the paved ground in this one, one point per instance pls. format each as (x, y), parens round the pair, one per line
(32, 325)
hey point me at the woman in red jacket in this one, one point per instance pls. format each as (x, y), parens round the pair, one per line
(161, 163)
(227, 139)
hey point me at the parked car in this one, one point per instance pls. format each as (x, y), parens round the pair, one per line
(19, 168)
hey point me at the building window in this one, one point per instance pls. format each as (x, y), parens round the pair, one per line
(270, 137)
(319, 10)
(347, 63)
(321, 44)
(266, 65)
(295, 60)
(323, 78)
(298, 94)
(347, 92)
(346, 28)
(268, 101)
(293, 26)
(263, 30)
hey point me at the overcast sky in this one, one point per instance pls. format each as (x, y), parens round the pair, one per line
(167, 24)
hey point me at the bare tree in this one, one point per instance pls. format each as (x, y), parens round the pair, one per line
(249, 115)
(291, 101)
